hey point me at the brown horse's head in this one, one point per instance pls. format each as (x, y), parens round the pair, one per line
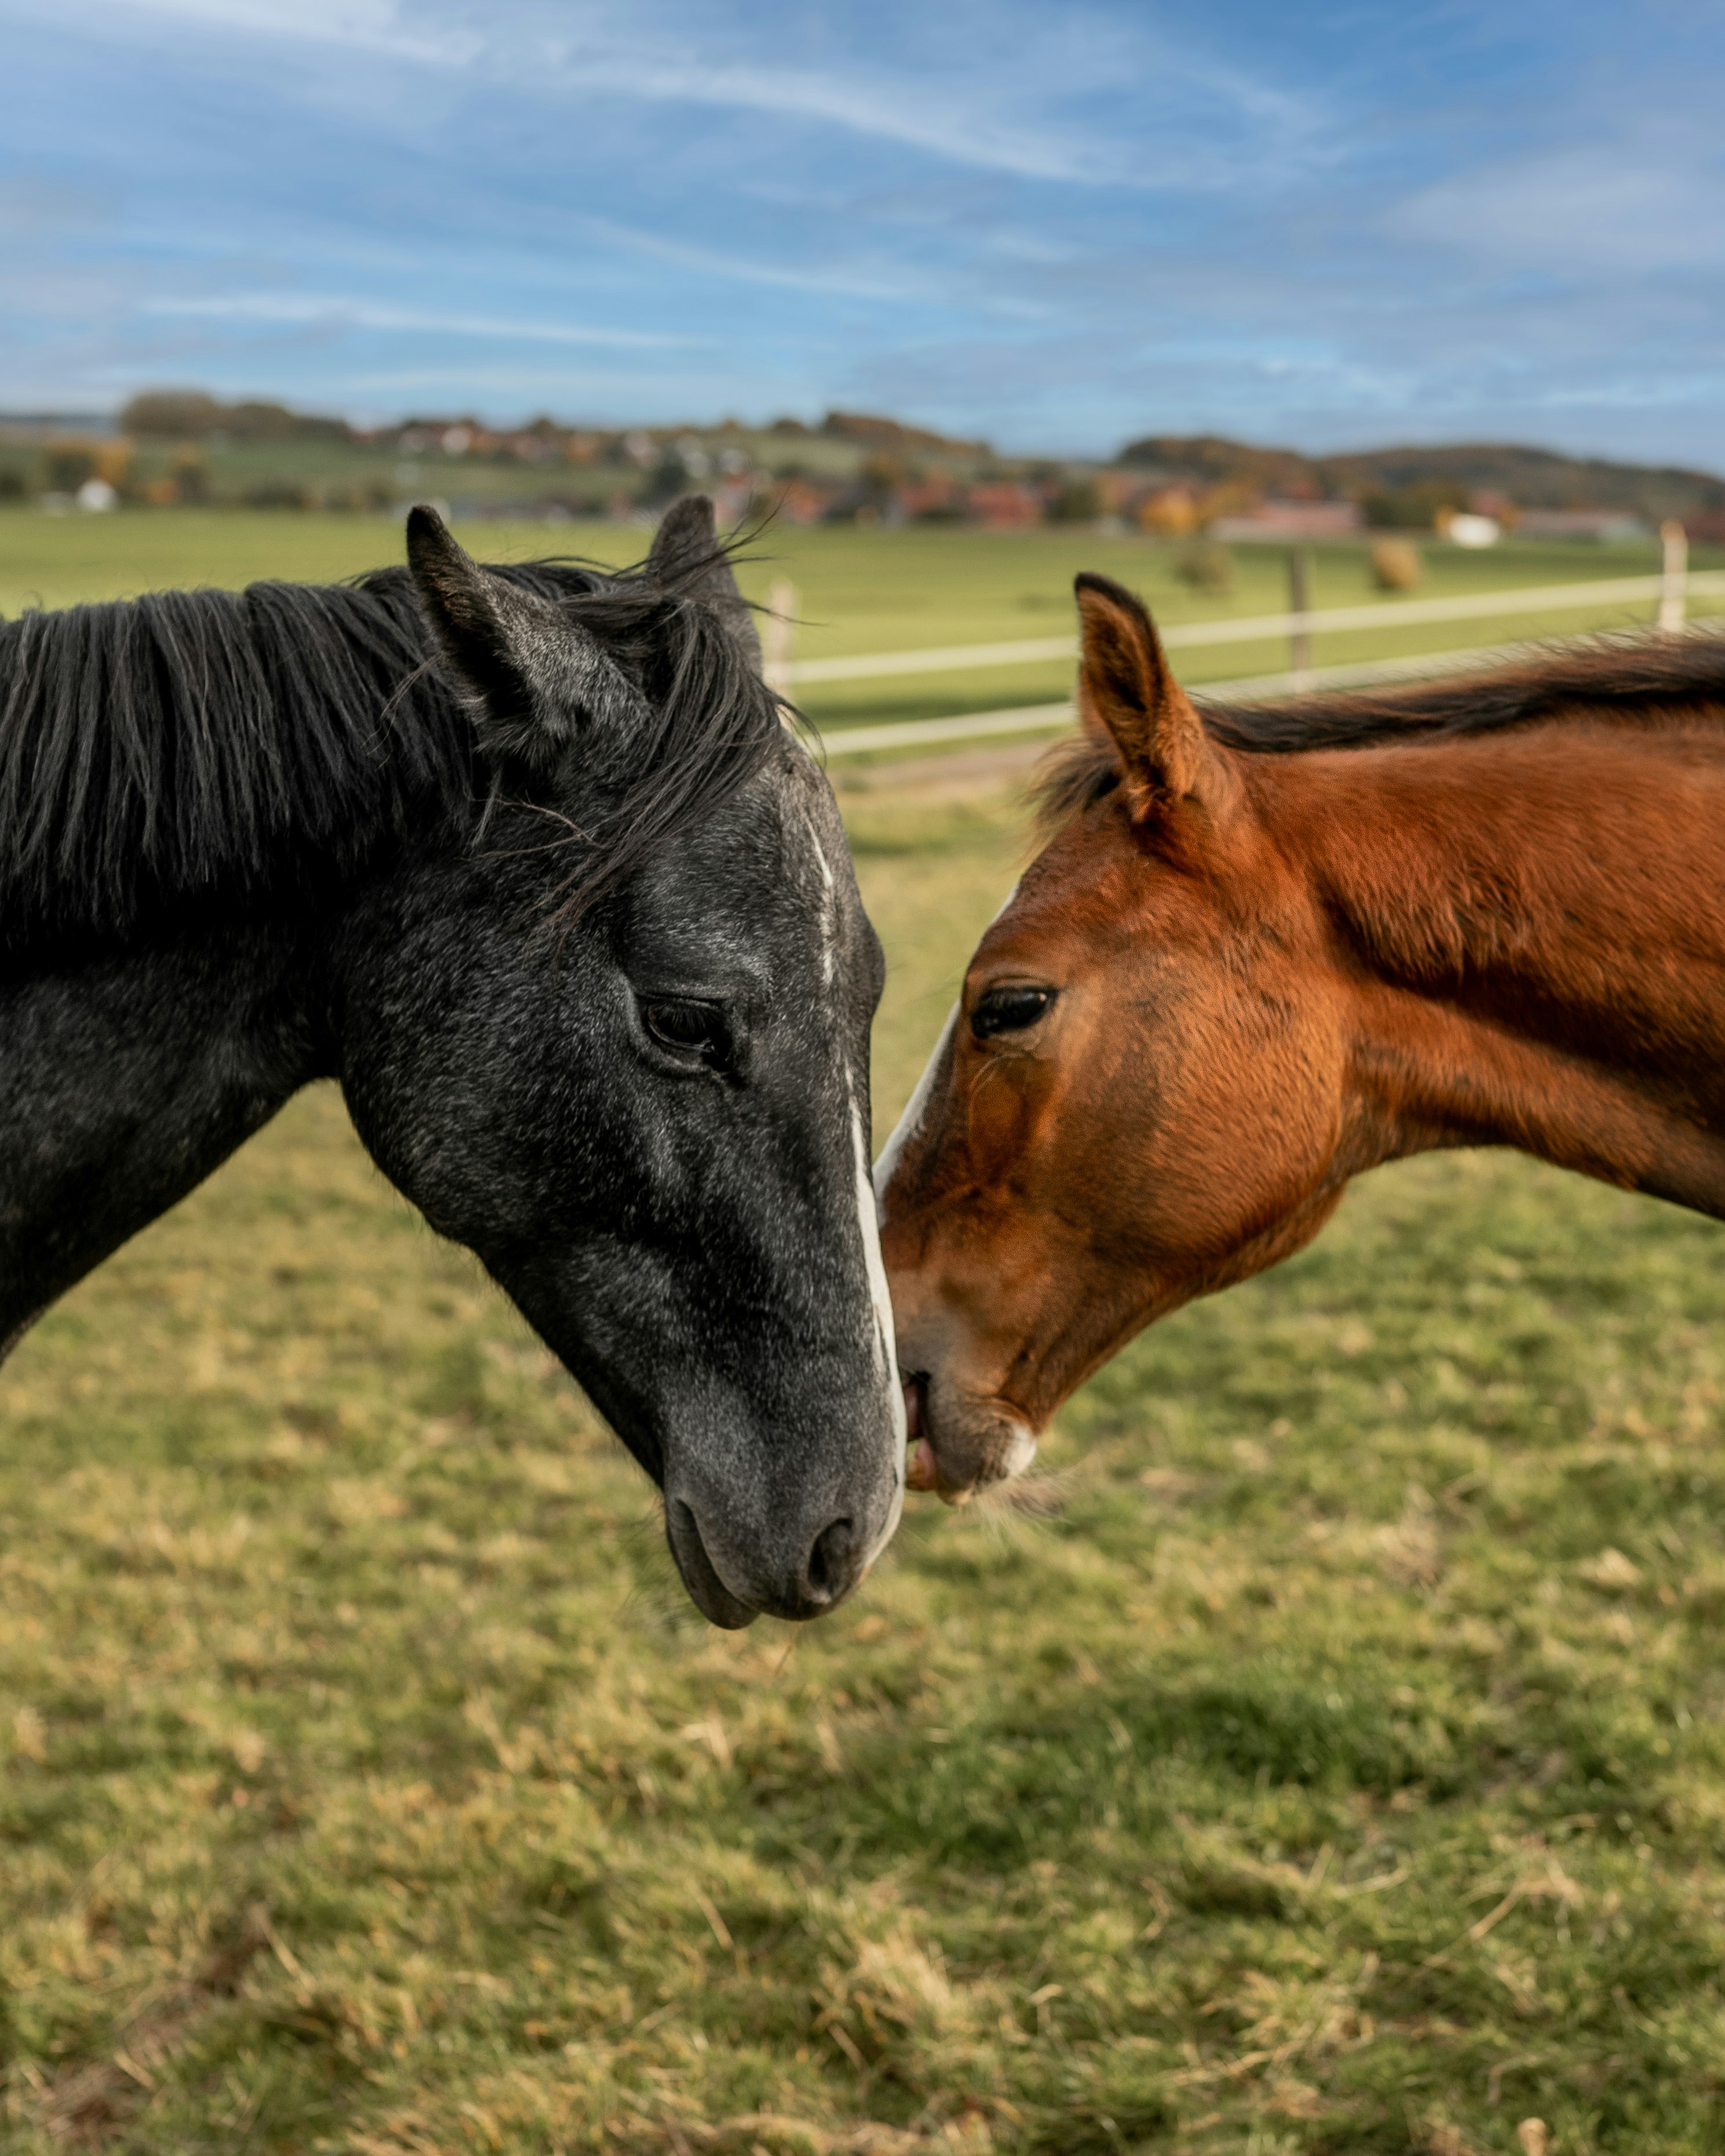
(1138, 1097)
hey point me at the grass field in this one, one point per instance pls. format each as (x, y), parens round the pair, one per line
(1324, 1754)
(859, 591)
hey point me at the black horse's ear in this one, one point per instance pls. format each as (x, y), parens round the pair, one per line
(688, 555)
(532, 674)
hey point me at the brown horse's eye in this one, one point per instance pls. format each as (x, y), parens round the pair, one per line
(1008, 1010)
(688, 1027)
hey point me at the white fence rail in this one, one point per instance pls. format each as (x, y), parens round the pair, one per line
(1252, 628)
(1045, 718)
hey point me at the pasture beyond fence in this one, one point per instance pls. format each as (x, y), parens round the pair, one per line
(1670, 589)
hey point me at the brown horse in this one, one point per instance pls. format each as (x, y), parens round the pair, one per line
(1264, 949)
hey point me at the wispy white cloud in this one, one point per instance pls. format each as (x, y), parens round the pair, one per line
(995, 120)
(895, 111)
(342, 313)
(1647, 393)
(1600, 208)
(379, 26)
(697, 390)
(889, 282)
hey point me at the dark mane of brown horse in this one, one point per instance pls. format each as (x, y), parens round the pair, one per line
(1643, 677)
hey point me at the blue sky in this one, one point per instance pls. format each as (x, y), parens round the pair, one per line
(1056, 225)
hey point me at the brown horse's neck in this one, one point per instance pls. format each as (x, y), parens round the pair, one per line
(1530, 932)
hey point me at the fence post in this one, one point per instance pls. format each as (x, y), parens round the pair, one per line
(1673, 575)
(1300, 607)
(778, 627)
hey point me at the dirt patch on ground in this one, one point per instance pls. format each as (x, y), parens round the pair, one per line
(90, 2105)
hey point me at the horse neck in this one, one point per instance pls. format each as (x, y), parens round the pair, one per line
(1529, 931)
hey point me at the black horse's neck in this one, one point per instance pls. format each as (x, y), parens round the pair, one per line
(127, 1077)
(190, 785)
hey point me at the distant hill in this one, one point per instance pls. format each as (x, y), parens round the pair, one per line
(1532, 479)
(174, 446)
(171, 415)
(1213, 460)
(870, 432)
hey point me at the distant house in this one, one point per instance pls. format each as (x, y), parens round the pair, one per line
(1004, 505)
(1602, 524)
(799, 501)
(936, 496)
(1291, 520)
(1468, 527)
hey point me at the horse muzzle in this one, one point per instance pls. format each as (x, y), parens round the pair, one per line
(960, 1442)
(750, 1553)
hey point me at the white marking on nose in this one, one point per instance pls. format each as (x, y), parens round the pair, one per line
(1020, 1452)
(868, 1220)
(885, 1341)
(868, 1223)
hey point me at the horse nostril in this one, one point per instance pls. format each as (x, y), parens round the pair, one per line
(832, 1561)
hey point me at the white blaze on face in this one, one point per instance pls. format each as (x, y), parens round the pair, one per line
(916, 1109)
(885, 1342)
(868, 1224)
(829, 912)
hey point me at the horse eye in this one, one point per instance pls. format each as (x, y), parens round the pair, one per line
(690, 1029)
(1008, 1010)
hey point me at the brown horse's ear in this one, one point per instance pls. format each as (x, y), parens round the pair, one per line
(1127, 692)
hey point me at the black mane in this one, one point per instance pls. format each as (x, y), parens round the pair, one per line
(1631, 676)
(211, 741)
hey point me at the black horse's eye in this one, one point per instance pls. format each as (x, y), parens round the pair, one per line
(1008, 1010)
(689, 1028)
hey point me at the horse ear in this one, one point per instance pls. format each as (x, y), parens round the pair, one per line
(687, 553)
(534, 676)
(1127, 690)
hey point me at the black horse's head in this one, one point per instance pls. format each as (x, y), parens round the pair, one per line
(619, 1045)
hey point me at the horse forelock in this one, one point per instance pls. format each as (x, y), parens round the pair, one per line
(715, 724)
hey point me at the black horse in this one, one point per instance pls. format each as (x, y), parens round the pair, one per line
(525, 858)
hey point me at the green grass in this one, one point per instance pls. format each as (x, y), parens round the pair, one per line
(1325, 1754)
(858, 591)
(60, 561)
(865, 592)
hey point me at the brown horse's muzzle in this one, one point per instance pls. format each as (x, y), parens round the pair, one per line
(963, 1437)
